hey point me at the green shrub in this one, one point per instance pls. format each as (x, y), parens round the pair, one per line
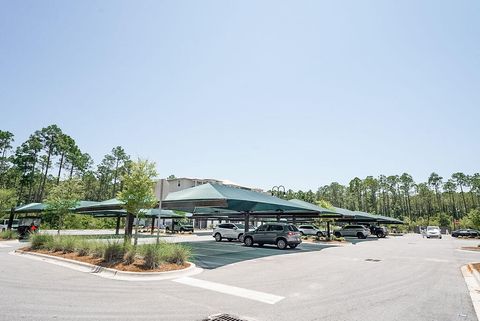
(82, 247)
(152, 255)
(130, 254)
(113, 252)
(175, 253)
(40, 241)
(96, 249)
(8, 235)
(68, 243)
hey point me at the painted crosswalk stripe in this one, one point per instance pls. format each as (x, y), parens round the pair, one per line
(231, 290)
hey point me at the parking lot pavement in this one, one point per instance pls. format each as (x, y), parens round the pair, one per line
(393, 279)
(211, 254)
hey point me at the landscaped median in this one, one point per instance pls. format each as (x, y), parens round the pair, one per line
(113, 257)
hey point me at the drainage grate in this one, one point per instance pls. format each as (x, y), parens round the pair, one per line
(372, 260)
(223, 317)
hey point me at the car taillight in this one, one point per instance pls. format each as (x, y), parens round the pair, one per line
(291, 233)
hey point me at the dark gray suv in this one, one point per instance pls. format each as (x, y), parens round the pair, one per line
(280, 234)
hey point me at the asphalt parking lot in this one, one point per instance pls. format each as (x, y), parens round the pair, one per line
(393, 279)
(211, 254)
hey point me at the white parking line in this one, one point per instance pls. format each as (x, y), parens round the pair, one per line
(4, 246)
(474, 289)
(232, 290)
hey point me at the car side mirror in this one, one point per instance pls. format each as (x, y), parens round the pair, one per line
(235, 228)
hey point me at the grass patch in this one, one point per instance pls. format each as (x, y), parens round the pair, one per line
(8, 235)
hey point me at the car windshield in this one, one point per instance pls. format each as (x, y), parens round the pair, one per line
(240, 226)
(432, 228)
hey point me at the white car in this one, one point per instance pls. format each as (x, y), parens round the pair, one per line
(433, 231)
(4, 225)
(310, 230)
(230, 231)
(359, 231)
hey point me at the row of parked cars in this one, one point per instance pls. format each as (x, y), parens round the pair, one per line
(285, 235)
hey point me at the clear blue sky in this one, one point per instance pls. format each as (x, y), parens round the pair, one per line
(299, 93)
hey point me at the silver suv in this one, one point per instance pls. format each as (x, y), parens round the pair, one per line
(280, 234)
(229, 231)
(310, 230)
(359, 231)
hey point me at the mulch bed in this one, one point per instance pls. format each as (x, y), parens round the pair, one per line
(476, 266)
(136, 266)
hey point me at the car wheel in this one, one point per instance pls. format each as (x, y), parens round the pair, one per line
(380, 235)
(292, 246)
(218, 237)
(337, 234)
(320, 234)
(248, 241)
(240, 237)
(282, 244)
(360, 235)
(440, 237)
(182, 230)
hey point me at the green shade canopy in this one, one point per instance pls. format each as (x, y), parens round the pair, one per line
(324, 212)
(155, 212)
(41, 207)
(230, 198)
(111, 204)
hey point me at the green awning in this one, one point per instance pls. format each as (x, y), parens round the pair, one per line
(324, 212)
(111, 204)
(41, 207)
(230, 198)
(155, 212)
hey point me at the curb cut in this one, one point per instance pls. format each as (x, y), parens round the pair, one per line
(109, 273)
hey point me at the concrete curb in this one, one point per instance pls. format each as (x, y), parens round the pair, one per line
(109, 273)
(474, 272)
(472, 279)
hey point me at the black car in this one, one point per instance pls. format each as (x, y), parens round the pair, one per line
(467, 232)
(379, 231)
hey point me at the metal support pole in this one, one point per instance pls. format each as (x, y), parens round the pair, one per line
(153, 225)
(160, 210)
(278, 218)
(328, 230)
(10, 219)
(294, 220)
(247, 221)
(117, 227)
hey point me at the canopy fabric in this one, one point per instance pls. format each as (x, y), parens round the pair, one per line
(40, 207)
(323, 211)
(111, 204)
(155, 212)
(230, 198)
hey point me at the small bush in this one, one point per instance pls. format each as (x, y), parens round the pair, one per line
(40, 241)
(82, 247)
(152, 255)
(130, 254)
(8, 235)
(175, 254)
(68, 244)
(96, 249)
(113, 252)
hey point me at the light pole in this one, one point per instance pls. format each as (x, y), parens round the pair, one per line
(276, 191)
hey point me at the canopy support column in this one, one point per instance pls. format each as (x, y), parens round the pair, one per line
(10, 218)
(153, 225)
(117, 227)
(247, 221)
(294, 219)
(328, 230)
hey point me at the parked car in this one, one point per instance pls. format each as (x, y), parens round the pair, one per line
(466, 232)
(4, 225)
(230, 231)
(359, 231)
(379, 231)
(180, 227)
(433, 231)
(280, 234)
(310, 230)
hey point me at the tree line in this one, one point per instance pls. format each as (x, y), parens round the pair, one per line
(30, 169)
(399, 196)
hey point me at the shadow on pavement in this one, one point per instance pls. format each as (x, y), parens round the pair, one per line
(211, 254)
